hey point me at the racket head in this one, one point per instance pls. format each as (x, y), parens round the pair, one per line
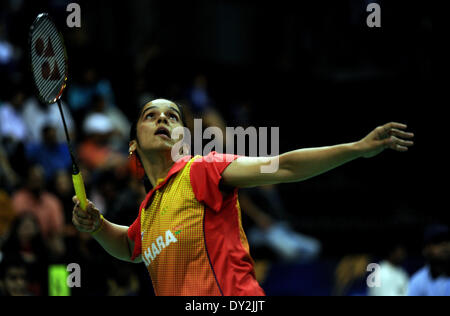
(48, 59)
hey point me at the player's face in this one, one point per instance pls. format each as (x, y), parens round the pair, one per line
(156, 122)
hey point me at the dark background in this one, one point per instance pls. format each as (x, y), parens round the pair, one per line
(312, 68)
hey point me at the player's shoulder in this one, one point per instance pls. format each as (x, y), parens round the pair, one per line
(215, 157)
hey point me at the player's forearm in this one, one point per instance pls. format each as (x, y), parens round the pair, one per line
(303, 164)
(114, 239)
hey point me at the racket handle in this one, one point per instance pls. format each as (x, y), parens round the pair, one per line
(80, 192)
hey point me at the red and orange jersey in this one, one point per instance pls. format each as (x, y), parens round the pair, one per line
(189, 234)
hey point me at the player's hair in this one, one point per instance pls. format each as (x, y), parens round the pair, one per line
(133, 130)
(133, 136)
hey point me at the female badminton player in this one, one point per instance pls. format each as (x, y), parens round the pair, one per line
(188, 232)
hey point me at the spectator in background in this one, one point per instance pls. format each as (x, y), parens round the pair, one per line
(265, 209)
(121, 125)
(125, 202)
(6, 215)
(9, 54)
(37, 116)
(118, 196)
(95, 151)
(434, 278)
(6, 48)
(350, 275)
(25, 238)
(62, 188)
(393, 278)
(80, 94)
(13, 277)
(12, 123)
(8, 177)
(45, 206)
(13, 130)
(50, 153)
(25, 241)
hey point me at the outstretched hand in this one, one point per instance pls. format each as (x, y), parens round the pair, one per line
(391, 135)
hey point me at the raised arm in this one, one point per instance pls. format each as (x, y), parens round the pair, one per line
(113, 238)
(303, 164)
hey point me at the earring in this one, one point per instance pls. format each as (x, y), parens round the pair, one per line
(130, 154)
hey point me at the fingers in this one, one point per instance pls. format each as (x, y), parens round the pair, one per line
(390, 135)
(402, 142)
(400, 133)
(83, 221)
(81, 216)
(82, 224)
(399, 148)
(397, 139)
(398, 144)
(90, 207)
(92, 211)
(87, 220)
(392, 125)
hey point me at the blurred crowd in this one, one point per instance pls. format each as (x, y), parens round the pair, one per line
(36, 189)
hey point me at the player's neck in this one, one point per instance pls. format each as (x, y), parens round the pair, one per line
(157, 165)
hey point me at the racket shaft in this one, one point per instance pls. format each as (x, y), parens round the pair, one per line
(80, 192)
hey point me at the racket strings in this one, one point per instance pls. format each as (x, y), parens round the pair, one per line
(48, 59)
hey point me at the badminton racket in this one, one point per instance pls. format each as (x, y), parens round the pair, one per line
(48, 59)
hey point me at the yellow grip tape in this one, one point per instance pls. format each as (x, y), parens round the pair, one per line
(80, 192)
